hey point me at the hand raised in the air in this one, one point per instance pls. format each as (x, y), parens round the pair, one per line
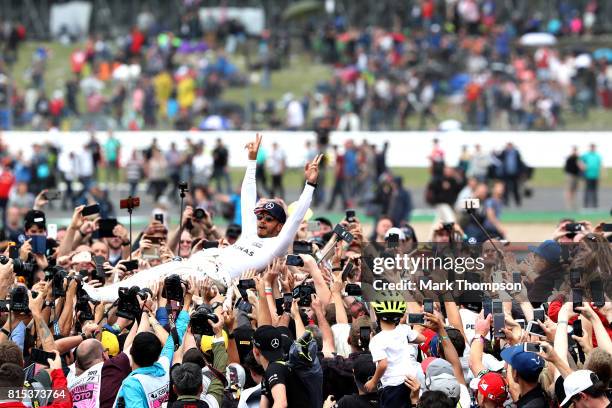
(311, 170)
(253, 147)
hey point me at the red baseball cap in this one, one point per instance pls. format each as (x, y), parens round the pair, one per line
(493, 386)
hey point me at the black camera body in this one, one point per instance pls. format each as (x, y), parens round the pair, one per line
(173, 288)
(128, 306)
(56, 275)
(19, 300)
(303, 293)
(199, 321)
(200, 214)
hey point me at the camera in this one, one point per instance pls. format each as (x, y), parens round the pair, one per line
(19, 301)
(3, 260)
(183, 186)
(199, 214)
(173, 288)
(56, 274)
(199, 320)
(82, 306)
(471, 204)
(128, 306)
(303, 293)
(573, 227)
(129, 203)
(448, 226)
(25, 269)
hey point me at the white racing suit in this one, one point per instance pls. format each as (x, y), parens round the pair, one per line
(223, 264)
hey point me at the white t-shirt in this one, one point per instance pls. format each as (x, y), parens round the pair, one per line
(295, 114)
(394, 346)
(341, 333)
(275, 161)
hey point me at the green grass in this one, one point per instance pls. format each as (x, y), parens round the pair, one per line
(418, 177)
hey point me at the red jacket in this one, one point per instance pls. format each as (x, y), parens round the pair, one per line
(62, 398)
(7, 179)
(553, 312)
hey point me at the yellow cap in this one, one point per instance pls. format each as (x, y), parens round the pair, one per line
(293, 206)
(207, 341)
(110, 343)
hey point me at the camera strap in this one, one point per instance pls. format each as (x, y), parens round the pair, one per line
(173, 332)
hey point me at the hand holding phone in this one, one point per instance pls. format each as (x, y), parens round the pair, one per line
(91, 210)
(428, 306)
(42, 357)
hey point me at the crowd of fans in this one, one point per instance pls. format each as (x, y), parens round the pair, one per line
(306, 330)
(446, 57)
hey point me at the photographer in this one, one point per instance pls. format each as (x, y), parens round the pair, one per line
(148, 382)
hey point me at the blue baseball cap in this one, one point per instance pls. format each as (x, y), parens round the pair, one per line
(527, 364)
(275, 210)
(549, 250)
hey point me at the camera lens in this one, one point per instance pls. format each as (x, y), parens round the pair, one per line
(3, 260)
(199, 213)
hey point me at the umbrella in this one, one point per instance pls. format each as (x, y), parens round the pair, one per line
(214, 122)
(583, 61)
(537, 39)
(91, 84)
(603, 53)
(303, 9)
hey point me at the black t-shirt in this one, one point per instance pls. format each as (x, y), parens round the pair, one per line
(571, 165)
(359, 401)
(279, 373)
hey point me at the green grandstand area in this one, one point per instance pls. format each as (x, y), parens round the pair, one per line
(302, 76)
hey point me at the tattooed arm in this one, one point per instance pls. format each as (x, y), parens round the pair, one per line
(42, 329)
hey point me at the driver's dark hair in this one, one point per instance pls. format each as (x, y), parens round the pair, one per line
(146, 349)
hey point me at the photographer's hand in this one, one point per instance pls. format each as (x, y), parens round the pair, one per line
(41, 200)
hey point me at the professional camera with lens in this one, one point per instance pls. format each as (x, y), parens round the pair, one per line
(83, 306)
(199, 214)
(25, 269)
(128, 306)
(303, 293)
(19, 301)
(199, 321)
(56, 275)
(173, 288)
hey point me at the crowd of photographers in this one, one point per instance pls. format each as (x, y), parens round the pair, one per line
(311, 330)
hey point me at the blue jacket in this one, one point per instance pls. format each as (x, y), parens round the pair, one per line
(131, 390)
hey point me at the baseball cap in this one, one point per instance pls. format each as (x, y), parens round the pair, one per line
(268, 339)
(527, 364)
(110, 343)
(325, 221)
(493, 386)
(274, 209)
(577, 382)
(294, 205)
(363, 369)
(397, 231)
(35, 217)
(440, 377)
(549, 250)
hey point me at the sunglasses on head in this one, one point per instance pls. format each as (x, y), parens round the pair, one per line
(267, 218)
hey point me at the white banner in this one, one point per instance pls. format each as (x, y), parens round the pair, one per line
(73, 16)
(252, 18)
(406, 149)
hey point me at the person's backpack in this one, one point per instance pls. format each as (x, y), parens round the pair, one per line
(38, 393)
(229, 401)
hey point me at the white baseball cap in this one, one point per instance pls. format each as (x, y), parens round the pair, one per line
(395, 230)
(577, 382)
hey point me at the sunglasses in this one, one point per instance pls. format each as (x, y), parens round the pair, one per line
(267, 218)
(186, 241)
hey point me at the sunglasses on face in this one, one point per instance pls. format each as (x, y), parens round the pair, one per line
(186, 241)
(267, 218)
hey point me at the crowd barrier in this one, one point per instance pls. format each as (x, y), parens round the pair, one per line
(406, 149)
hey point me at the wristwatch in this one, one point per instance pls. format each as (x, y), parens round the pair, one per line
(6, 332)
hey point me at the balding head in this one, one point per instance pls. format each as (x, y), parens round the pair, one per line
(89, 353)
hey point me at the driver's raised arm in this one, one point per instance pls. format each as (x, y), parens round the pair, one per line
(248, 192)
(285, 237)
